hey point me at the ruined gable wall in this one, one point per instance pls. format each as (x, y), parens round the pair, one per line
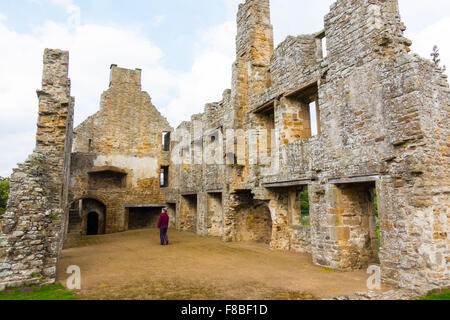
(126, 134)
(33, 226)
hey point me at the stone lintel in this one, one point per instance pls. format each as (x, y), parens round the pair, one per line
(287, 184)
(127, 206)
(360, 179)
(214, 191)
(265, 107)
(305, 86)
(107, 168)
(321, 34)
(189, 193)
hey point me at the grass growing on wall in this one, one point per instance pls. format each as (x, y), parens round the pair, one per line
(55, 292)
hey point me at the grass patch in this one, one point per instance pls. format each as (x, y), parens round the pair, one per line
(444, 295)
(54, 292)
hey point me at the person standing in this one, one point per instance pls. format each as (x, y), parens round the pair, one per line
(163, 226)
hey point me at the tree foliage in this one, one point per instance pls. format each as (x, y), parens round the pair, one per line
(304, 201)
(4, 193)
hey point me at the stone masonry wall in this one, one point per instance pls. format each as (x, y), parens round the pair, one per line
(33, 226)
(124, 137)
(381, 114)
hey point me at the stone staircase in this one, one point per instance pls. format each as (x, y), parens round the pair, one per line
(74, 230)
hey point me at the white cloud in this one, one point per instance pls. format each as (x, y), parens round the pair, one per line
(210, 74)
(73, 11)
(159, 19)
(15, 148)
(92, 49)
(435, 34)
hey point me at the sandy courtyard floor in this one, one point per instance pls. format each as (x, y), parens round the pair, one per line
(132, 265)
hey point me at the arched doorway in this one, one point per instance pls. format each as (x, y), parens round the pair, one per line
(82, 220)
(92, 224)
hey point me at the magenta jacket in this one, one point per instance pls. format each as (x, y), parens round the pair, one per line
(163, 221)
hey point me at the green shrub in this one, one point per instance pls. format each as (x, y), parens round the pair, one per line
(4, 194)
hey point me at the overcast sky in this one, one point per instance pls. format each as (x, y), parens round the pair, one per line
(184, 47)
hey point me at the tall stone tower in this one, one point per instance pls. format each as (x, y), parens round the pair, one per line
(32, 228)
(254, 49)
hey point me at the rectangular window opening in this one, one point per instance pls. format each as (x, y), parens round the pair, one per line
(305, 102)
(166, 141)
(269, 118)
(324, 47)
(298, 203)
(314, 118)
(359, 201)
(304, 207)
(164, 177)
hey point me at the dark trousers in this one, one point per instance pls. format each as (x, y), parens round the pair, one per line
(163, 235)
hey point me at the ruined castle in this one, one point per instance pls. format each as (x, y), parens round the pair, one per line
(345, 115)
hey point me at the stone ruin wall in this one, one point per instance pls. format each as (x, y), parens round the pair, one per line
(116, 139)
(33, 225)
(382, 125)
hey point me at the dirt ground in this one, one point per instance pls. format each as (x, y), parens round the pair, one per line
(132, 265)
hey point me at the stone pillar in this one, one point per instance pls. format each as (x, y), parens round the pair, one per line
(279, 209)
(202, 229)
(32, 229)
(254, 49)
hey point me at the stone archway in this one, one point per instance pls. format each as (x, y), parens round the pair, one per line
(79, 222)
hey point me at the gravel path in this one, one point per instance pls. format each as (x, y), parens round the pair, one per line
(132, 265)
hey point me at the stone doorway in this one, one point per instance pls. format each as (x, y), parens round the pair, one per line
(143, 217)
(188, 213)
(92, 224)
(82, 220)
(214, 218)
(253, 219)
(357, 224)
